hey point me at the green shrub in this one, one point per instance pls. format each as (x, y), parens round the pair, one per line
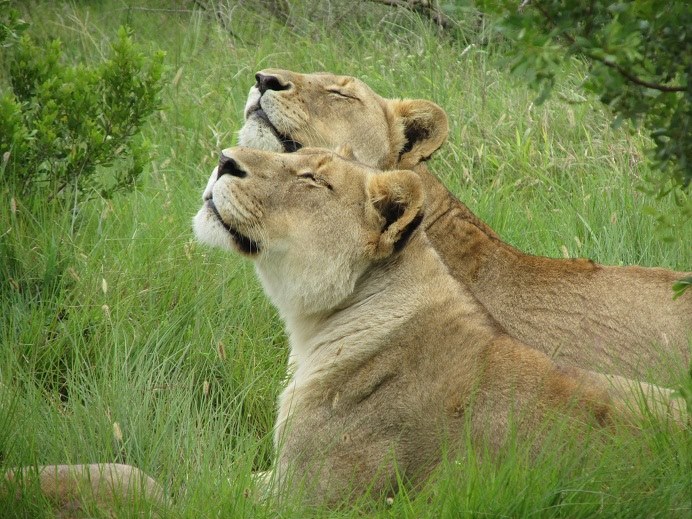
(61, 124)
(11, 25)
(639, 64)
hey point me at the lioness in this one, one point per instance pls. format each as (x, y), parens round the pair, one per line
(615, 319)
(390, 356)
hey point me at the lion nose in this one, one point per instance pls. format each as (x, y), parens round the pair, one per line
(269, 82)
(228, 166)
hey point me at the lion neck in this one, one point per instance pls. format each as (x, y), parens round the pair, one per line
(386, 296)
(443, 201)
(309, 283)
(465, 243)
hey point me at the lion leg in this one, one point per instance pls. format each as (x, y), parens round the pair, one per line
(642, 398)
(262, 483)
(104, 485)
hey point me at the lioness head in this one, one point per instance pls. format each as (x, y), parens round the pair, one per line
(286, 111)
(312, 221)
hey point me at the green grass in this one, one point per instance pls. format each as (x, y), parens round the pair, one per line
(114, 314)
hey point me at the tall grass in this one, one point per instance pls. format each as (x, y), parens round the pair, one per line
(112, 314)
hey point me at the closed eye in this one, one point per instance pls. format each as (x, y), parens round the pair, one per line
(314, 179)
(341, 93)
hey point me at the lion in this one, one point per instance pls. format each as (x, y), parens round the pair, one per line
(389, 356)
(619, 320)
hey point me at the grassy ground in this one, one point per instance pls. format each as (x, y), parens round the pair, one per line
(114, 315)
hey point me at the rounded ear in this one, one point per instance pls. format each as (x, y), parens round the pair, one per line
(425, 128)
(396, 197)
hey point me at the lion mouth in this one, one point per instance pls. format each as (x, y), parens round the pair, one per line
(242, 242)
(288, 144)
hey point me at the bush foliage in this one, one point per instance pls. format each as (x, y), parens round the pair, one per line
(59, 124)
(640, 59)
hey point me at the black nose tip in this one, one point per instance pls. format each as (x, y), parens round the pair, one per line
(228, 166)
(268, 82)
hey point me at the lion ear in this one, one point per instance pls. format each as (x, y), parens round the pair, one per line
(397, 199)
(425, 129)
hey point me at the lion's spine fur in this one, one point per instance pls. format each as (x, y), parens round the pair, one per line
(614, 319)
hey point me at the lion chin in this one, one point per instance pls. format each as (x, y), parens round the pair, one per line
(260, 132)
(209, 228)
(256, 134)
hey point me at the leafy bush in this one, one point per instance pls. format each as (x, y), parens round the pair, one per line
(60, 123)
(639, 54)
(11, 25)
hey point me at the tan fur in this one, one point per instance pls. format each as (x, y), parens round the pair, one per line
(74, 489)
(390, 356)
(617, 319)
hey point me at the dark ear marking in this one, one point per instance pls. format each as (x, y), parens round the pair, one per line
(413, 133)
(408, 232)
(392, 212)
(397, 199)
